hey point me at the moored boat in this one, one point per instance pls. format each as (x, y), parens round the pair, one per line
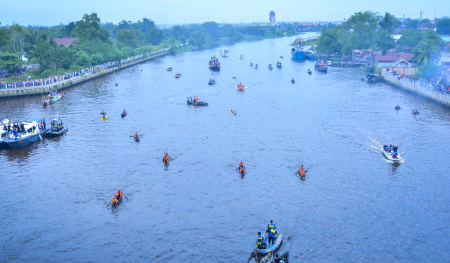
(297, 53)
(27, 133)
(309, 55)
(56, 129)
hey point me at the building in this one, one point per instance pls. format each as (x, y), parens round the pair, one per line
(400, 62)
(65, 41)
(272, 18)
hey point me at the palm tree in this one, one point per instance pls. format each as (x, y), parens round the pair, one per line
(425, 51)
(388, 23)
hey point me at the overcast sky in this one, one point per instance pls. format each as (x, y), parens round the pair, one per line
(48, 12)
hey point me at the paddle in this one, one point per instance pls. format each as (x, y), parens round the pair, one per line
(108, 205)
(125, 196)
(140, 135)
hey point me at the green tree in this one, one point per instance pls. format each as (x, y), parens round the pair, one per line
(238, 36)
(127, 37)
(17, 36)
(389, 23)
(362, 26)
(10, 61)
(88, 28)
(330, 41)
(155, 36)
(198, 38)
(411, 24)
(385, 41)
(426, 51)
(67, 30)
(409, 39)
(443, 26)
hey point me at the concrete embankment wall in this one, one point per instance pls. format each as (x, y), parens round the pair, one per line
(45, 89)
(422, 90)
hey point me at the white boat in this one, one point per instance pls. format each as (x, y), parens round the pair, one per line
(224, 52)
(29, 134)
(388, 155)
(241, 56)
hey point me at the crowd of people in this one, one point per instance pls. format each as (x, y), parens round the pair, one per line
(431, 83)
(23, 69)
(68, 75)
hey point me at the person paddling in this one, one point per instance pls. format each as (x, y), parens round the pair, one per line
(232, 111)
(301, 171)
(166, 158)
(136, 136)
(124, 112)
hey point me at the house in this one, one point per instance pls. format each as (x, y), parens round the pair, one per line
(400, 62)
(65, 41)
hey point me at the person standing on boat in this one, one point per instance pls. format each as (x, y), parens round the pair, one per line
(271, 230)
(395, 148)
(260, 238)
(385, 148)
(15, 133)
(44, 123)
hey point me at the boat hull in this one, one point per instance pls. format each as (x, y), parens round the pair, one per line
(50, 133)
(272, 248)
(299, 55)
(21, 142)
(214, 68)
(200, 103)
(389, 157)
(123, 115)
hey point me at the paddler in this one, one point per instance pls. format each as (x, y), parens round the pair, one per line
(124, 112)
(136, 135)
(166, 158)
(232, 111)
(301, 171)
(114, 201)
(271, 230)
(118, 195)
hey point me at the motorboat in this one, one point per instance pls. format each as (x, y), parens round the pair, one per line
(224, 52)
(169, 68)
(177, 75)
(272, 248)
(212, 82)
(278, 64)
(241, 56)
(3, 133)
(51, 98)
(196, 103)
(28, 133)
(389, 154)
(56, 129)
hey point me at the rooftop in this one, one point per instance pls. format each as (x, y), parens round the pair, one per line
(64, 41)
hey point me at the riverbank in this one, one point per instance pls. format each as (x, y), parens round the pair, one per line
(66, 83)
(421, 89)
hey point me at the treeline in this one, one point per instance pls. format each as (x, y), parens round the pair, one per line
(97, 43)
(364, 30)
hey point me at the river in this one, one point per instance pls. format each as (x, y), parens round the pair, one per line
(353, 206)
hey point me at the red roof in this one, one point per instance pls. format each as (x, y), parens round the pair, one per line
(64, 41)
(391, 57)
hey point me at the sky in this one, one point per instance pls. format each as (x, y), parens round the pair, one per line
(53, 12)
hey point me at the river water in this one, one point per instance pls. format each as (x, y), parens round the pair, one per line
(354, 205)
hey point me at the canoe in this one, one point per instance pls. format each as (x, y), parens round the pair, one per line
(120, 201)
(123, 115)
(293, 81)
(137, 139)
(104, 118)
(200, 103)
(388, 156)
(240, 88)
(212, 82)
(273, 247)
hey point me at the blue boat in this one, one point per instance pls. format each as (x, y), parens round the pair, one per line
(297, 53)
(211, 82)
(310, 56)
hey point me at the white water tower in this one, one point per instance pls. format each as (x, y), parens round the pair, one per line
(272, 19)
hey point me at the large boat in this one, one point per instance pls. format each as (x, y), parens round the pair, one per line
(297, 53)
(214, 63)
(224, 52)
(56, 129)
(28, 133)
(51, 98)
